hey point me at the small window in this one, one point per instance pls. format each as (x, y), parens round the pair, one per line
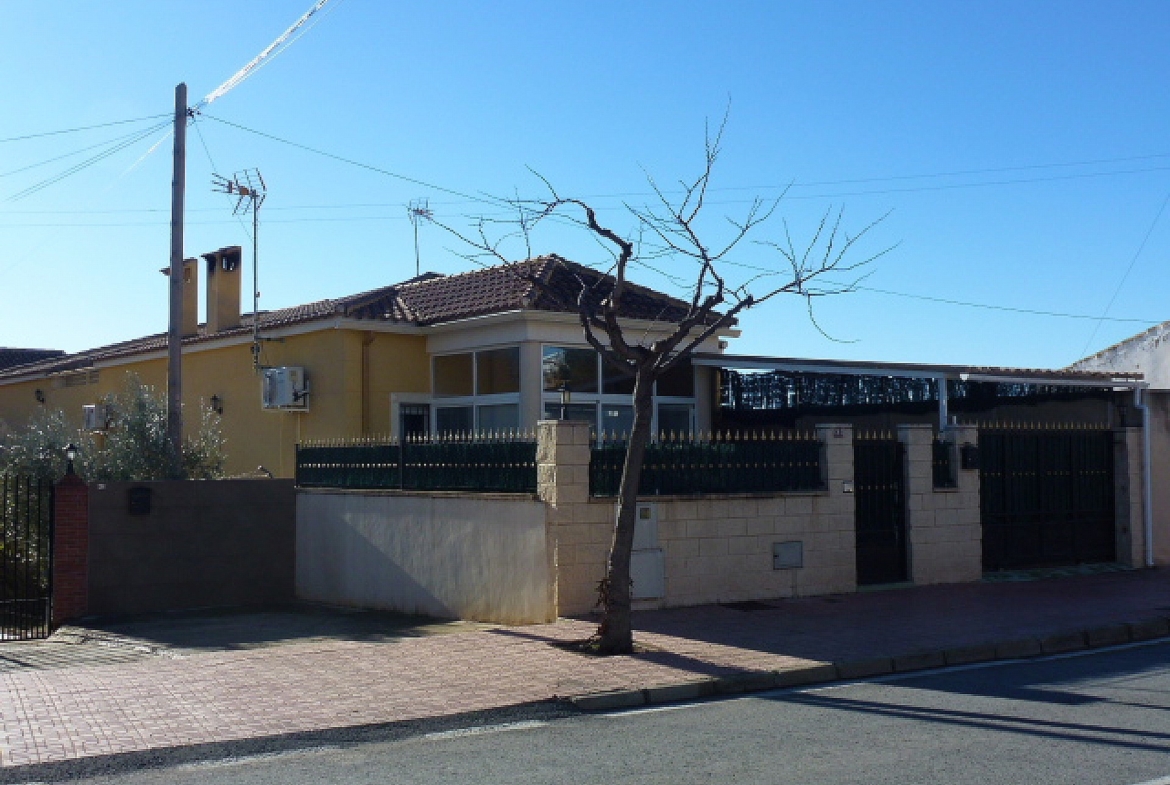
(498, 371)
(453, 374)
(454, 419)
(502, 417)
(679, 381)
(575, 367)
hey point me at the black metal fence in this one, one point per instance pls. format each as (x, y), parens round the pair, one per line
(26, 563)
(719, 463)
(943, 463)
(496, 463)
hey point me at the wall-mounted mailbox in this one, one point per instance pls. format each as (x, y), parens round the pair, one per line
(138, 501)
(969, 457)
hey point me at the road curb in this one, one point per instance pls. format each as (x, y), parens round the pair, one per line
(827, 672)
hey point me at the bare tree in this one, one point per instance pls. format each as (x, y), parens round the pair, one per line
(665, 232)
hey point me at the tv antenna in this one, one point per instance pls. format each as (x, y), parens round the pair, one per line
(248, 185)
(418, 210)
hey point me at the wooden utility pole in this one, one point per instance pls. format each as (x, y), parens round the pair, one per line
(175, 329)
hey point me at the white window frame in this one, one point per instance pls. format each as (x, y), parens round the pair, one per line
(473, 400)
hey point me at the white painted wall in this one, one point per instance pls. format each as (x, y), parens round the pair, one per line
(481, 559)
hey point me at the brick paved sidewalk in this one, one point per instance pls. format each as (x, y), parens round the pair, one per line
(151, 702)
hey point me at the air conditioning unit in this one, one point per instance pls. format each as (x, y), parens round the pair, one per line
(285, 389)
(95, 417)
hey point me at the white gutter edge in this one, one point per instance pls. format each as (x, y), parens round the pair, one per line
(1147, 486)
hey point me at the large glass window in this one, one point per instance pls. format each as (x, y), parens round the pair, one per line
(679, 381)
(454, 374)
(616, 381)
(497, 371)
(578, 412)
(576, 368)
(454, 419)
(616, 419)
(499, 417)
(675, 418)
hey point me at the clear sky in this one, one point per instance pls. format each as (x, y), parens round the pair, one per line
(1022, 150)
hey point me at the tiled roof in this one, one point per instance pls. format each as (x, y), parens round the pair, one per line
(426, 300)
(10, 358)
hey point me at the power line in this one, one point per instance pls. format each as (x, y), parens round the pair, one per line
(136, 137)
(83, 128)
(494, 201)
(1128, 270)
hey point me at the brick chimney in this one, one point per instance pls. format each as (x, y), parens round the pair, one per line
(190, 324)
(223, 288)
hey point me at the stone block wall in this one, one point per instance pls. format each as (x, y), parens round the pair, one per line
(1128, 497)
(715, 548)
(942, 524)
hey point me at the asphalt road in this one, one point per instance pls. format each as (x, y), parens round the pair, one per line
(1099, 719)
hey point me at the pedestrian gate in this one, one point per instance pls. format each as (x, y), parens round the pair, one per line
(880, 498)
(26, 544)
(1046, 496)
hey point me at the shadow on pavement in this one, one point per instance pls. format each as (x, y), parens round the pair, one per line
(246, 628)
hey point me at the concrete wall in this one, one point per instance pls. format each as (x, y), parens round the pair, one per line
(484, 557)
(216, 543)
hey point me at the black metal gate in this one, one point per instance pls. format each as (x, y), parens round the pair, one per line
(1046, 496)
(879, 488)
(26, 561)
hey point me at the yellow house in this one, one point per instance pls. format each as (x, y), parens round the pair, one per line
(484, 350)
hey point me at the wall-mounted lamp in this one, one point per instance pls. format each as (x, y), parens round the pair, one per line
(216, 404)
(566, 396)
(39, 394)
(70, 457)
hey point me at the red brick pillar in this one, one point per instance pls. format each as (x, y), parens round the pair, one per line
(70, 549)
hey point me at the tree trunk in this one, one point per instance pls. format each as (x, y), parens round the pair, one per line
(616, 635)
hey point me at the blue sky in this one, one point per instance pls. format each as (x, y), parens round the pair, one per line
(1020, 148)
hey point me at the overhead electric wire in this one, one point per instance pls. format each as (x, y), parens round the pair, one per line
(1128, 270)
(82, 128)
(494, 201)
(136, 137)
(78, 151)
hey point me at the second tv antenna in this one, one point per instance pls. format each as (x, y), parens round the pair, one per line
(249, 188)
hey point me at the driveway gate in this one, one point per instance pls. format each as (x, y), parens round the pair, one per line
(880, 497)
(1046, 496)
(26, 544)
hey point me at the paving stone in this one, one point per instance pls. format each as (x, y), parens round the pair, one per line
(220, 682)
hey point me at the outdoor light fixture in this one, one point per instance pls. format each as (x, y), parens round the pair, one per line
(70, 457)
(216, 404)
(565, 398)
(39, 394)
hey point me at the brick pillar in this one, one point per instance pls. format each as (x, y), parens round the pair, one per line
(579, 531)
(70, 549)
(944, 534)
(1128, 497)
(837, 511)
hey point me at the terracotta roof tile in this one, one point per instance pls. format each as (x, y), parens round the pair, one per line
(428, 299)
